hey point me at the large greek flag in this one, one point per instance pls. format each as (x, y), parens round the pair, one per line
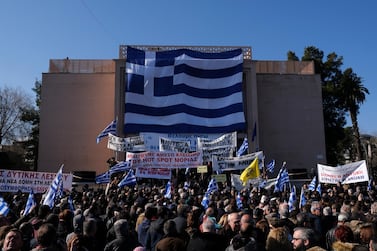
(183, 91)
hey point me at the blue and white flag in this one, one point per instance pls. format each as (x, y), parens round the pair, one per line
(212, 186)
(281, 179)
(29, 203)
(103, 178)
(70, 204)
(186, 185)
(239, 201)
(120, 167)
(129, 180)
(111, 128)
(4, 208)
(312, 184)
(53, 189)
(369, 188)
(243, 148)
(292, 199)
(184, 91)
(205, 201)
(168, 190)
(319, 189)
(271, 166)
(302, 198)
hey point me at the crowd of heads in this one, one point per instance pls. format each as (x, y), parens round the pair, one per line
(343, 217)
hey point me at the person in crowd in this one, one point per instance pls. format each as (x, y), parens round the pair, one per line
(171, 241)
(305, 239)
(13, 240)
(207, 239)
(232, 228)
(47, 239)
(156, 229)
(124, 241)
(330, 235)
(89, 240)
(149, 215)
(277, 239)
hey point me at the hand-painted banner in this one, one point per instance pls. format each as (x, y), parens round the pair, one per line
(125, 144)
(174, 145)
(153, 173)
(164, 159)
(236, 163)
(229, 139)
(152, 140)
(39, 182)
(345, 174)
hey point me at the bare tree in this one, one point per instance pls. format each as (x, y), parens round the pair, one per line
(12, 102)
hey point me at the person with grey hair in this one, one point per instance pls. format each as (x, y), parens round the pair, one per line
(305, 239)
(123, 240)
(208, 239)
(330, 234)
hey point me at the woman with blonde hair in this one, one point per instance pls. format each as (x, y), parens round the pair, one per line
(277, 239)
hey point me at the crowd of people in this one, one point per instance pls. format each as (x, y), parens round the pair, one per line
(142, 218)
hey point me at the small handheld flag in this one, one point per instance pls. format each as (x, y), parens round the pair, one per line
(111, 128)
(29, 203)
(129, 180)
(251, 172)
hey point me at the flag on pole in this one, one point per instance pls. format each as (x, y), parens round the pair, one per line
(53, 189)
(292, 199)
(243, 148)
(120, 167)
(103, 178)
(186, 185)
(250, 172)
(239, 201)
(4, 208)
(212, 186)
(302, 198)
(312, 184)
(184, 91)
(369, 188)
(110, 128)
(205, 200)
(29, 203)
(281, 179)
(129, 180)
(318, 189)
(168, 190)
(271, 166)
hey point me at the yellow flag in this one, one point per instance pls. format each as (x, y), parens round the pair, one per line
(251, 172)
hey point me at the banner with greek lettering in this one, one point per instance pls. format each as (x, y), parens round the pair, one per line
(345, 174)
(236, 163)
(14, 180)
(153, 173)
(152, 140)
(135, 143)
(164, 159)
(174, 145)
(223, 146)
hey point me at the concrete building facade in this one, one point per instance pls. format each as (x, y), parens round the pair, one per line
(81, 97)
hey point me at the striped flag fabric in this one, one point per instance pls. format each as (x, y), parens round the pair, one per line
(29, 203)
(168, 190)
(212, 186)
(239, 201)
(369, 188)
(70, 204)
(243, 148)
(281, 179)
(184, 91)
(103, 178)
(319, 189)
(120, 167)
(302, 198)
(292, 199)
(186, 185)
(312, 184)
(205, 200)
(271, 166)
(53, 189)
(129, 180)
(110, 128)
(4, 208)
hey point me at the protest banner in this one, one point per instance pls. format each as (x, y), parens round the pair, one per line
(153, 173)
(39, 182)
(152, 140)
(164, 159)
(174, 145)
(219, 177)
(345, 174)
(228, 139)
(202, 169)
(135, 143)
(236, 163)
